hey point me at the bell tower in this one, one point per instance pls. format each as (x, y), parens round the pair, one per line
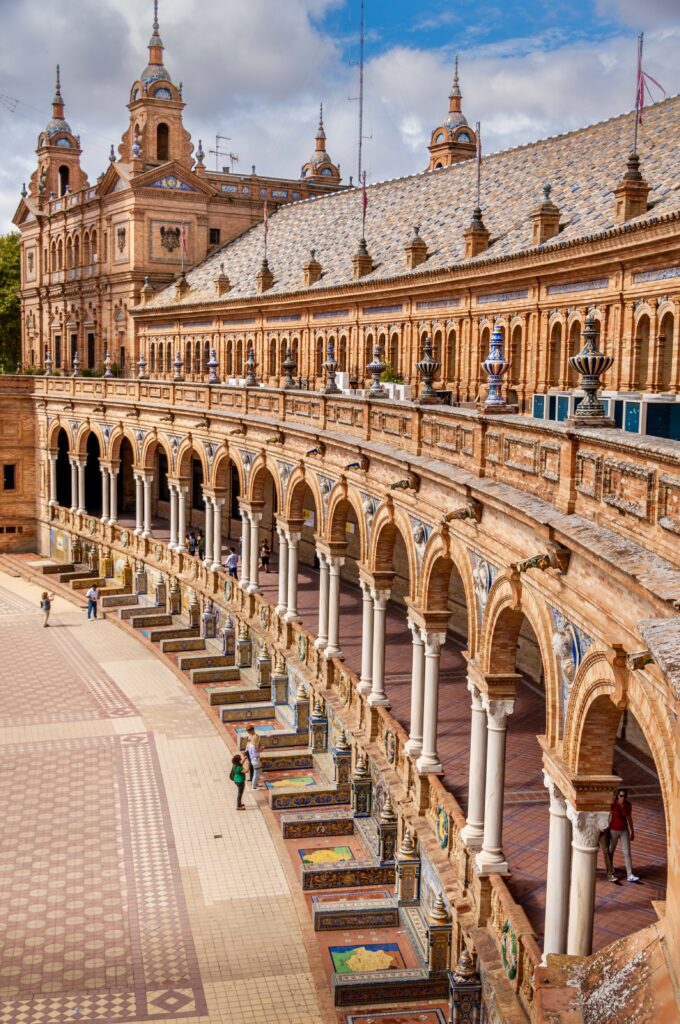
(320, 167)
(59, 171)
(156, 134)
(453, 139)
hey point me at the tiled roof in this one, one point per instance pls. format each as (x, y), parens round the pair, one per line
(582, 166)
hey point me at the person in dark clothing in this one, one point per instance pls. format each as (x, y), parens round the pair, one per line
(238, 777)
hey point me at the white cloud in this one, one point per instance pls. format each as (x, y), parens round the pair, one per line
(255, 70)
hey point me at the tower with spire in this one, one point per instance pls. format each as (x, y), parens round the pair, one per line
(320, 167)
(58, 171)
(453, 139)
(156, 134)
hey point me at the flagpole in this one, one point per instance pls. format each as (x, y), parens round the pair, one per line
(266, 229)
(638, 91)
(479, 165)
(364, 204)
(182, 247)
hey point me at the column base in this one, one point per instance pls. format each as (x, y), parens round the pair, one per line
(473, 836)
(81, 511)
(413, 748)
(378, 700)
(180, 549)
(138, 531)
(364, 687)
(113, 522)
(321, 643)
(491, 864)
(292, 617)
(428, 765)
(334, 652)
(215, 566)
(244, 584)
(53, 501)
(208, 563)
(281, 609)
(253, 588)
(146, 533)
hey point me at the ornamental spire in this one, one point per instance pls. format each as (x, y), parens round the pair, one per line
(58, 100)
(320, 134)
(155, 43)
(455, 96)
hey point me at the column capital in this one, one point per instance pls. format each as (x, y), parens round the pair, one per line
(558, 803)
(335, 562)
(77, 460)
(497, 712)
(255, 517)
(416, 632)
(281, 531)
(586, 827)
(52, 456)
(380, 597)
(217, 502)
(476, 695)
(293, 538)
(433, 641)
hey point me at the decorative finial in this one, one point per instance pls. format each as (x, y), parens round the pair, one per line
(200, 155)
(112, 155)
(156, 26)
(24, 192)
(547, 189)
(439, 913)
(387, 815)
(408, 845)
(301, 693)
(455, 71)
(343, 742)
(318, 711)
(361, 767)
(321, 115)
(58, 85)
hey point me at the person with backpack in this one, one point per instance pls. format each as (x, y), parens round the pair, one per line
(46, 606)
(238, 777)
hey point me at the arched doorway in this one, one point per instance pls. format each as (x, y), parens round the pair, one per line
(93, 476)
(64, 496)
(126, 482)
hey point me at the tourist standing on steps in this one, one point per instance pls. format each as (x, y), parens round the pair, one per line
(92, 598)
(621, 827)
(46, 606)
(253, 755)
(238, 777)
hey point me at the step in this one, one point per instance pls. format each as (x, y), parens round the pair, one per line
(86, 582)
(241, 713)
(145, 609)
(78, 574)
(231, 695)
(157, 635)
(122, 600)
(394, 987)
(321, 823)
(147, 621)
(191, 643)
(59, 567)
(316, 796)
(206, 660)
(345, 914)
(225, 674)
(353, 874)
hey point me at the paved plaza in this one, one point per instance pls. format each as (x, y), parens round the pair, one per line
(130, 888)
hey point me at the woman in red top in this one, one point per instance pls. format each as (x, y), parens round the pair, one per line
(621, 827)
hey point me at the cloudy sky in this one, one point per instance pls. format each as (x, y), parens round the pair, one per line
(256, 70)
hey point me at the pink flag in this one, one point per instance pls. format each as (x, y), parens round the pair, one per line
(642, 87)
(364, 193)
(183, 240)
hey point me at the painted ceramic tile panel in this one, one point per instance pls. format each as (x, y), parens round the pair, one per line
(326, 855)
(377, 956)
(399, 1017)
(296, 782)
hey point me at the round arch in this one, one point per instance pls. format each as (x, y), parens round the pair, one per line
(116, 440)
(342, 500)
(293, 508)
(390, 521)
(444, 556)
(260, 470)
(81, 439)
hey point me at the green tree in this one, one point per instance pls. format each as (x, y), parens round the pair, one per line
(10, 282)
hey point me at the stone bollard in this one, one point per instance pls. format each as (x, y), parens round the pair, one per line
(318, 728)
(279, 680)
(387, 832)
(342, 760)
(264, 668)
(362, 788)
(407, 887)
(244, 647)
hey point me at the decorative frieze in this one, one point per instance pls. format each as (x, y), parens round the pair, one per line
(483, 300)
(381, 310)
(663, 274)
(493, 444)
(437, 303)
(588, 473)
(331, 314)
(520, 454)
(567, 287)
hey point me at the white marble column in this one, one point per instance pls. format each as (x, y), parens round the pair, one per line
(53, 478)
(139, 505)
(254, 575)
(148, 484)
(335, 564)
(282, 606)
(216, 533)
(414, 744)
(366, 680)
(81, 486)
(74, 485)
(245, 550)
(106, 492)
(559, 869)
(377, 695)
(172, 544)
(182, 493)
(113, 504)
(473, 833)
(322, 637)
(585, 836)
(429, 759)
(292, 614)
(490, 859)
(208, 551)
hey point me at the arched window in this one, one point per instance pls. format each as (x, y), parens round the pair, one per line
(437, 351)
(342, 354)
(642, 345)
(69, 253)
(168, 357)
(555, 356)
(206, 355)
(573, 348)
(368, 351)
(76, 251)
(93, 247)
(394, 352)
(229, 369)
(60, 254)
(160, 356)
(162, 142)
(451, 356)
(239, 358)
(666, 357)
(53, 257)
(64, 176)
(319, 357)
(515, 355)
(272, 357)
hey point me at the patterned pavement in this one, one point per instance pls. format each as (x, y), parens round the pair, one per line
(130, 889)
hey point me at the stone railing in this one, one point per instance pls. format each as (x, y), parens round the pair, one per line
(613, 478)
(422, 800)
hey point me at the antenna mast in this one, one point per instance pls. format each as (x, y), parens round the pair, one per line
(217, 152)
(361, 88)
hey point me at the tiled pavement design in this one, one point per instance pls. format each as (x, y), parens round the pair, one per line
(130, 888)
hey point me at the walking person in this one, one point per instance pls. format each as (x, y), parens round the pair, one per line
(92, 598)
(46, 606)
(621, 827)
(200, 545)
(253, 755)
(238, 777)
(192, 543)
(604, 841)
(232, 563)
(265, 554)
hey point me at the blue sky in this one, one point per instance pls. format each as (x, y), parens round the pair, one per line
(256, 70)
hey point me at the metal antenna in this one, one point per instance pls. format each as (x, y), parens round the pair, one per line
(217, 152)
